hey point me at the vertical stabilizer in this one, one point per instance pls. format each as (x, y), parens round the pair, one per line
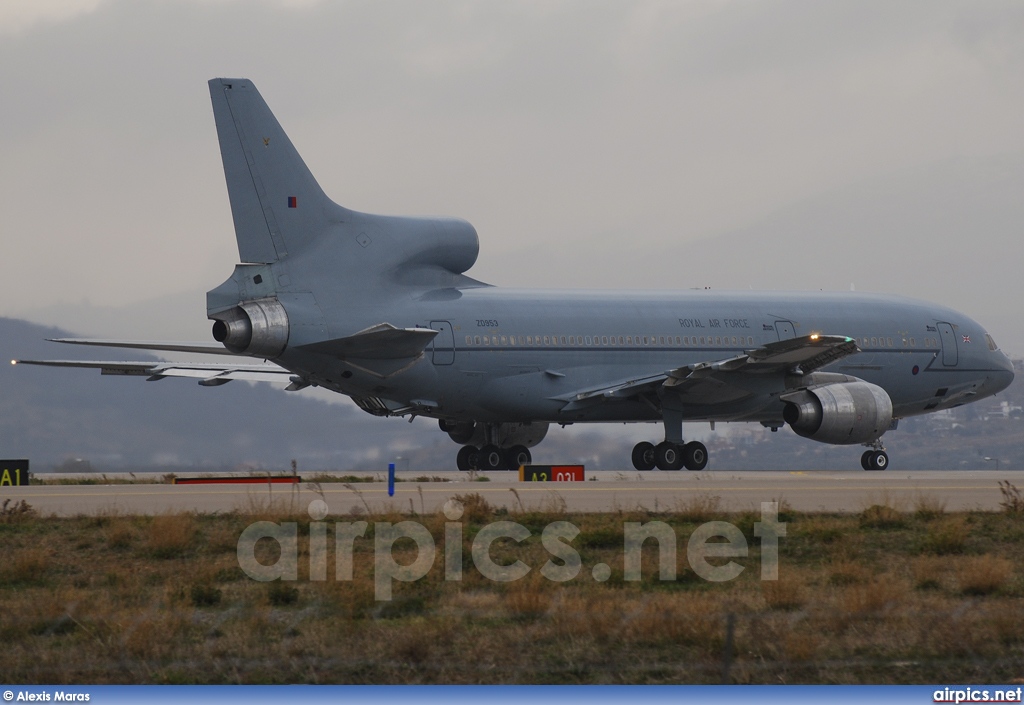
(277, 205)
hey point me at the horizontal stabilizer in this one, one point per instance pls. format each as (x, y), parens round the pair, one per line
(206, 374)
(169, 346)
(380, 342)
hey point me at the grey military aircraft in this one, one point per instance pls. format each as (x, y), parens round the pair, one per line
(379, 308)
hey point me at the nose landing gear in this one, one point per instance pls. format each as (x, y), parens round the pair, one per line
(876, 459)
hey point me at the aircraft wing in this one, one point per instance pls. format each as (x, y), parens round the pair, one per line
(207, 374)
(723, 380)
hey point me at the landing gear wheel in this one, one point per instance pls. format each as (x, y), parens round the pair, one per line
(668, 456)
(865, 460)
(517, 456)
(878, 460)
(695, 456)
(643, 456)
(467, 458)
(490, 458)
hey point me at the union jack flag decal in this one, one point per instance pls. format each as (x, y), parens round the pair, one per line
(966, 338)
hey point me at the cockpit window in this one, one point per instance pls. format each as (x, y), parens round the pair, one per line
(991, 343)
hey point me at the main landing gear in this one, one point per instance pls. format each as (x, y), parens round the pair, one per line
(670, 456)
(491, 457)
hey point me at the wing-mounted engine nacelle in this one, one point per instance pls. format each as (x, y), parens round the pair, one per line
(844, 413)
(503, 435)
(258, 328)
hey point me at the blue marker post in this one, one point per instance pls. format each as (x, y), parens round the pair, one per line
(391, 479)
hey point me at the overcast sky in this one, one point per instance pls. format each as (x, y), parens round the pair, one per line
(559, 129)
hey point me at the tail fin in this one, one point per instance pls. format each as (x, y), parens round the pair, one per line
(277, 205)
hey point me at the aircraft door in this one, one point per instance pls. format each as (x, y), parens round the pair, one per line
(785, 330)
(444, 343)
(950, 353)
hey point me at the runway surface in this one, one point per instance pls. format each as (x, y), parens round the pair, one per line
(832, 491)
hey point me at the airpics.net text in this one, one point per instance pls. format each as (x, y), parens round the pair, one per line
(719, 541)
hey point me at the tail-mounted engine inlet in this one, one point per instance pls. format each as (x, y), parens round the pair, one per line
(258, 328)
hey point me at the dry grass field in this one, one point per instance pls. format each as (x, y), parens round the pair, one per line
(891, 594)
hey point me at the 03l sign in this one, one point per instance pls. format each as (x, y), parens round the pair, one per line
(551, 473)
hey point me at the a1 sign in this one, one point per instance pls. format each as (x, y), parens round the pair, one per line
(551, 473)
(13, 472)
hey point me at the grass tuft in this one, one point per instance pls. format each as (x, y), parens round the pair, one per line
(698, 508)
(928, 507)
(928, 572)
(476, 509)
(984, 575)
(14, 512)
(848, 572)
(27, 566)
(882, 593)
(945, 538)
(120, 534)
(171, 535)
(786, 593)
(1013, 499)
(882, 516)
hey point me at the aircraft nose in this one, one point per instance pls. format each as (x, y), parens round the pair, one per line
(1002, 375)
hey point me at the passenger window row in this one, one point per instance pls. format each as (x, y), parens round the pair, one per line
(604, 340)
(880, 342)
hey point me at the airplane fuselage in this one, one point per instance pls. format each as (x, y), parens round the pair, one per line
(520, 355)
